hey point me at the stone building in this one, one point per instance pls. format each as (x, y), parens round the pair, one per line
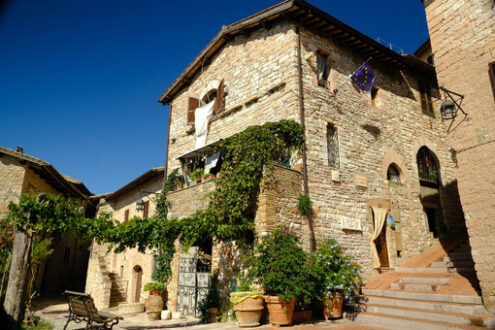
(364, 152)
(20, 173)
(117, 279)
(462, 35)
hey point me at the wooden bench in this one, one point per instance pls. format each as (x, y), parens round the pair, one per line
(82, 308)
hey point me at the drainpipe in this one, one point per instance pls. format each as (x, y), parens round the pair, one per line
(312, 242)
(168, 145)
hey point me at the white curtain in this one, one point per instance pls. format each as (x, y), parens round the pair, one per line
(380, 217)
(201, 117)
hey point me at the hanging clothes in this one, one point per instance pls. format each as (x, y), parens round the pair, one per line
(380, 218)
(202, 117)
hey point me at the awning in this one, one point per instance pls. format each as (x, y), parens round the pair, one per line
(206, 150)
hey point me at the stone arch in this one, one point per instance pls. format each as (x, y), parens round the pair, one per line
(423, 142)
(394, 173)
(211, 88)
(393, 157)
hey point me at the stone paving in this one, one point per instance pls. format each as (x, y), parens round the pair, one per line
(55, 311)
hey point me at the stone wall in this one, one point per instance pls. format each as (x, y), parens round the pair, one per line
(11, 179)
(462, 34)
(370, 138)
(124, 266)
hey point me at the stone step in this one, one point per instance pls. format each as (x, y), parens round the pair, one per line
(427, 305)
(406, 323)
(415, 286)
(428, 280)
(422, 314)
(455, 263)
(462, 299)
(426, 270)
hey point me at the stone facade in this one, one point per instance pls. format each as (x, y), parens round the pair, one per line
(65, 268)
(261, 73)
(462, 37)
(115, 278)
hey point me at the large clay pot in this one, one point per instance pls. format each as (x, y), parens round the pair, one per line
(280, 311)
(213, 311)
(154, 305)
(335, 306)
(248, 310)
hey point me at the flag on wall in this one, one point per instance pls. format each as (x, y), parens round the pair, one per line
(364, 78)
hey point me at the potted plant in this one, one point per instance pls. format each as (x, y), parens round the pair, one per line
(197, 175)
(337, 277)
(210, 305)
(282, 268)
(154, 303)
(247, 304)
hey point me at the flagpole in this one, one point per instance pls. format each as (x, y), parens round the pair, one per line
(349, 77)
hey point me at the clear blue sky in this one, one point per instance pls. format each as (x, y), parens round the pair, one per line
(80, 79)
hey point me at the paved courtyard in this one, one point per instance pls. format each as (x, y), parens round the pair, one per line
(56, 311)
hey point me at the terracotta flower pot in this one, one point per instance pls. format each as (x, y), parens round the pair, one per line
(335, 306)
(154, 305)
(280, 311)
(213, 314)
(248, 310)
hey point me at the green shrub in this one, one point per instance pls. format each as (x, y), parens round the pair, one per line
(334, 271)
(154, 286)
(212, 299)
(282, 266)
(304, 205)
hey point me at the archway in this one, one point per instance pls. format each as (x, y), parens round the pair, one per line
(137, 281)
(430, 185)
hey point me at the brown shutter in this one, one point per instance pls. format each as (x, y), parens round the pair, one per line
(146, 209)
(219, 105)
(193, 105)
(126, 215)
(491, 72)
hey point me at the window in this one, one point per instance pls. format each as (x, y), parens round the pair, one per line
(491, 72)
(146, 209)
(333, 146)
(430, 59)
(374, 94)
(393, 174)
(425, 97)
(126, 216)
(427, 166)
(193, 104)
(322, 67)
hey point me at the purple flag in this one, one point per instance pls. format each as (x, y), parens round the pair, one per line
(364, 78)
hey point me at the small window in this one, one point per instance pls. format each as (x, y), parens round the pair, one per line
(323, 69)
(126, 216)
(374, 94)
(430, 60)
(146, 209)
(333, 146)
(491, 72)
(425, 97)
(393, 174)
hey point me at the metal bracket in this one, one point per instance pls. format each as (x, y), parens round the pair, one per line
(456, 98)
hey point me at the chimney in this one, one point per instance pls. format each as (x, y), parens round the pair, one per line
(19, 149)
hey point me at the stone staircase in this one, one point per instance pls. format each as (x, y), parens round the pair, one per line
(443, 295)
(119, 290)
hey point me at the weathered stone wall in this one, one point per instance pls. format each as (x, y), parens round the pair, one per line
(122, 265)
(370, 139)
(11, 179)
(462, 36)
(260, 72)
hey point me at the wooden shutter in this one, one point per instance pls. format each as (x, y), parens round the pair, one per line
(193, 105)
(126, 215)
(425, 97)
(491, 72)
(146, 209)
(219, 105)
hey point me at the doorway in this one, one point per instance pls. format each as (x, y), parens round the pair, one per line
(137, 279)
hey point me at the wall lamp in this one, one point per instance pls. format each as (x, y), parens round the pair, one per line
(140, 202)
(452, 103)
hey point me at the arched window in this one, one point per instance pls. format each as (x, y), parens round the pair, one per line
(393, 173)
(209, 96)
(427, 165)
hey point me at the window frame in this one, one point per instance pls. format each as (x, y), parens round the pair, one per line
(491, 73)
(425, 99)
(335, 161)
(326, 68)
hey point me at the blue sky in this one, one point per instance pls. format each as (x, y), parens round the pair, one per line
(80, 79)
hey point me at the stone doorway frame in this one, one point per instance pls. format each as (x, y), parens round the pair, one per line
(137, 284)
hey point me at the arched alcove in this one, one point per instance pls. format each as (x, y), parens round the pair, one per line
(394, 173)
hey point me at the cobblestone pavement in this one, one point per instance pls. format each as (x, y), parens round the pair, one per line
(55, 311)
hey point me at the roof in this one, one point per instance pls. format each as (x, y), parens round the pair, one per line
(62, 182)
(424, 47)
(154, 172)
(310, 17)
